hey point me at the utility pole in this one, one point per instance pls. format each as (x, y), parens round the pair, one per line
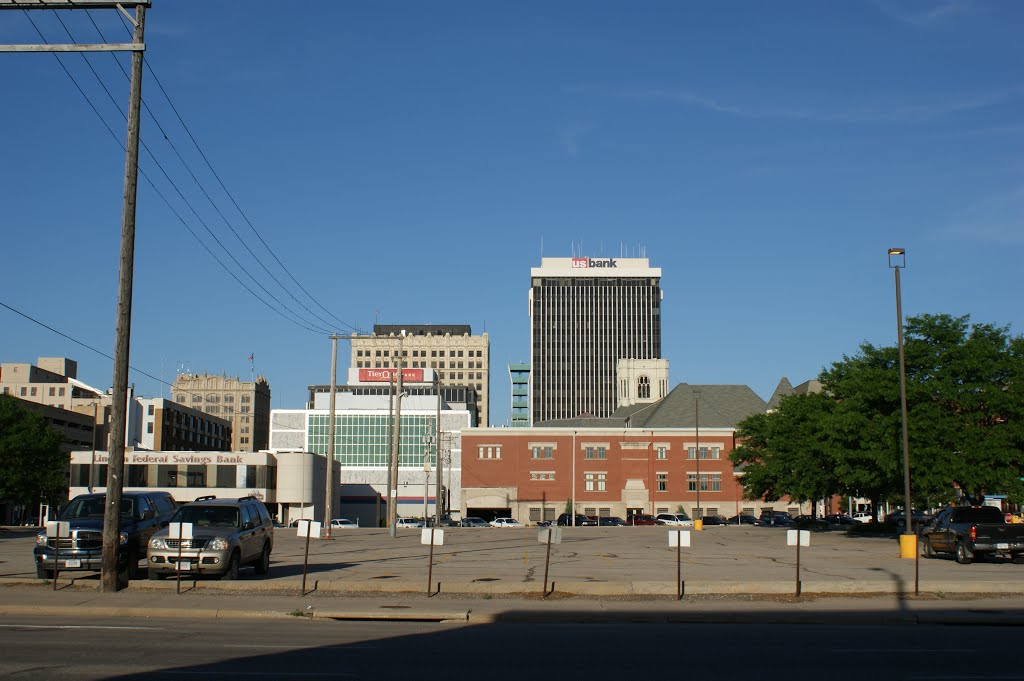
(328, 498)
(331, 431)
(119, 408)
(111, 520)
(437, 451)
(395, 445)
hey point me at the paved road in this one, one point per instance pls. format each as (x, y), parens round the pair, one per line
(90, 648)
(599, 560)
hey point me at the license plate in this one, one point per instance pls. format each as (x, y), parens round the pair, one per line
(1002, 545)
(73, 563)
(186, 565)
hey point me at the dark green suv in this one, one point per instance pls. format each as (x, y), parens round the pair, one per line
(226, 534)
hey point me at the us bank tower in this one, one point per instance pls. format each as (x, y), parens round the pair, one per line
(585, 315)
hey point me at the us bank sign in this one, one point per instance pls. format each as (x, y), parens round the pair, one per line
(586, 263)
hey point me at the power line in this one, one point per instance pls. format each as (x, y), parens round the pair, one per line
(148, 375)
(299, 321)
(199, 184)
(209, 165)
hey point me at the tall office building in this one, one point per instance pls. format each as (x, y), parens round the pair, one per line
(244, 404)
(460, 358)
(585, 315)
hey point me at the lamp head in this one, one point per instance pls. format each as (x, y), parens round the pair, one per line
(897, 258)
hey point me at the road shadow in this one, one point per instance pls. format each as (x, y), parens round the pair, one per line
(570, 643)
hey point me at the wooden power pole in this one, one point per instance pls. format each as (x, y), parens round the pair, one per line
(109, 577)
(119, 408)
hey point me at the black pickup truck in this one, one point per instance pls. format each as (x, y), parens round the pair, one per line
(970, 532)
(142, 514)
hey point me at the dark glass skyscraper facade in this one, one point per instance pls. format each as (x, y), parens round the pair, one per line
(585, 315)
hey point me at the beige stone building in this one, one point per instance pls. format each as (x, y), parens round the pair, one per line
(53, 381)
(245, 404)
(458, 357)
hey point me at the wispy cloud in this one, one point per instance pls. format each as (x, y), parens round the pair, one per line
(571, 136)
(996, 219)
(882, 112)
(925, 14)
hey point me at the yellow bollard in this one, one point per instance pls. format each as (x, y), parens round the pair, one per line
(908, 546)
(698, 525)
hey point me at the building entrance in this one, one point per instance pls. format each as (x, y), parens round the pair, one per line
(489, 514)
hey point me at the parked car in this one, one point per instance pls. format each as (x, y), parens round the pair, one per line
(409, 522)
(474, 522)
(840, 519)
(640, 519)
(142, 514)
(343, 524)
(970, 532)
(775, 518)
(505, 522)
(611, 521)
(226, 534)
(862, 517)
(916, 518)
(743, 520)
(712, 520)
(677, 519)
(565, 520)
(811, 522)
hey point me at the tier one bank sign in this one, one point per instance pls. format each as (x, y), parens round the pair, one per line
(586, 263)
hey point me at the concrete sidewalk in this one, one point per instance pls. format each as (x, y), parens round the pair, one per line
(80, 601)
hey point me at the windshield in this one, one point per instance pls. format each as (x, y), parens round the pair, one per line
(207, 516)
(92, 507)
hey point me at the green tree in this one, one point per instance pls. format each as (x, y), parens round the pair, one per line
(32, 463)
(965, 403)
(786, 452)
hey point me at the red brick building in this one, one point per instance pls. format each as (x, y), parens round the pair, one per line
(641, 459)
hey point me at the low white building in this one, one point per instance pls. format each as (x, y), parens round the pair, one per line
(290, 483)
(363, 441)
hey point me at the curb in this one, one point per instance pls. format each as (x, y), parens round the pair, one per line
(200, 613)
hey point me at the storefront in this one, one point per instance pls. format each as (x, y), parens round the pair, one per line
(290, 483)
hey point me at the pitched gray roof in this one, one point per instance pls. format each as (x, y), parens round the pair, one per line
(783, 389)
(716, 406)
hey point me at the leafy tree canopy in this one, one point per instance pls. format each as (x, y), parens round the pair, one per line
(965, 402)
(32, 463)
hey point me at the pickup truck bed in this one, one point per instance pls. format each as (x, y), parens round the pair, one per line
(969, 532)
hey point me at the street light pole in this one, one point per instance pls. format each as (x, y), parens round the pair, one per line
(437, 452)
(396, 445)
(698, 520)
(329, 458)
(908, 540)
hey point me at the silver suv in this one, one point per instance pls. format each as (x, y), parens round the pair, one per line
(226, 534)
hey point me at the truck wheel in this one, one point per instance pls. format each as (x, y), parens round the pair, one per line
(263, 564)
(233, 565)
(929, 550)
(1018, 558)
(43, 573)
(963, 556)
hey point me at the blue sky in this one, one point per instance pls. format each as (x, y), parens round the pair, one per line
(409, 162)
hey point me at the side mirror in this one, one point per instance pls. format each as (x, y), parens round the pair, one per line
(147, 515)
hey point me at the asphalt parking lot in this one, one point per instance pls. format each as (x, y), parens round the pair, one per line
(591, 560)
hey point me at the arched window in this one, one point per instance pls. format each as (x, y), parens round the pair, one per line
(643, 388)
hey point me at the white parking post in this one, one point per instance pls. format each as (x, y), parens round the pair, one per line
(306, 528)
(549, 536)
(679, 539)
(181, 532)
(798, 538)
(431, 537)
(55, 529)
